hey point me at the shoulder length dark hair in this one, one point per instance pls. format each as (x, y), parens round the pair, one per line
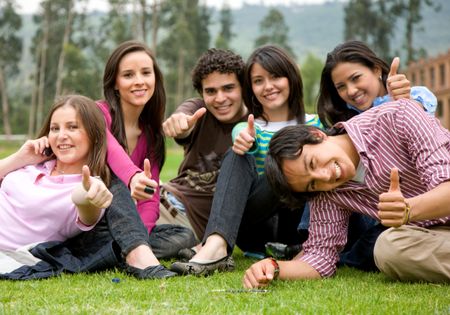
(278, 63)
(93, 122)
(152, 115)
(330, 106)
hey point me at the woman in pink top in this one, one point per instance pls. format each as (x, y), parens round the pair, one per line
(134, 108)
(52, 174)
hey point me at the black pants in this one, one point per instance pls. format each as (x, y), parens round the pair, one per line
(245, 211)
(122, 225)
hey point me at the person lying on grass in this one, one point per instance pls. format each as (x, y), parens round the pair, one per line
(391, 163)
(47, 192)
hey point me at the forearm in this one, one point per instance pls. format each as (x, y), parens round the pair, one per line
(432, 204)
(87, 212)
(11, 163)
(297, 269)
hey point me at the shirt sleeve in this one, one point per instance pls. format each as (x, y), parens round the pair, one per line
(118, 159)
(83, 227)
(428, 143)
(327, 235)
(149, 209)
(425, 97)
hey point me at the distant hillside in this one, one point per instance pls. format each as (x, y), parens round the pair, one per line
(312, 28)
(318, 28)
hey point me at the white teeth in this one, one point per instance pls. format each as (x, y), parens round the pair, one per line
(64, 146)
(338, 170)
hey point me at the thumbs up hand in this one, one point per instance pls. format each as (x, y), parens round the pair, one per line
(397, 85)
(393, 208)
(180, 125)
(97, 194)
(142, 186)
(245, 139)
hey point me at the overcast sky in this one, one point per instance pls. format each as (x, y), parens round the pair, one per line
(30, 6)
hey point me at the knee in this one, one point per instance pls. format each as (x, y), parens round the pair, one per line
(398, 249)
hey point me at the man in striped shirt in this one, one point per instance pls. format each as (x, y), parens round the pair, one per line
(391, 163)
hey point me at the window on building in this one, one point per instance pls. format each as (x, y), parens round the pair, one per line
(413, 78)
(422, 77)
(442, 74)
(439, 109)
(432, 79)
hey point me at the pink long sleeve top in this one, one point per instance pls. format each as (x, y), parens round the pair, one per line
(125, 166)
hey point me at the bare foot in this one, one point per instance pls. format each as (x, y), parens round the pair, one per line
(141, 257)
(214, 249)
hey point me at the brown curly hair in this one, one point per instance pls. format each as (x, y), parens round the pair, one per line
(220, 60)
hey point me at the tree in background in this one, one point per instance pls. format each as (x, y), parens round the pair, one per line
(411, 11)
(274, 30)
(371, 22)
(311, 71)
(225, 35)
(186, 24)
(10, 54)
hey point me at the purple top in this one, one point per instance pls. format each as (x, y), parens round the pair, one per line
(398, 134)
(125, 166)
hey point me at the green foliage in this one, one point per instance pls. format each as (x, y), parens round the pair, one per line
(186, 23)
(81, 76)
(274, 30)
(10, 41)
(412, 12)
(225, 34)
(371, 22)
(311, 71)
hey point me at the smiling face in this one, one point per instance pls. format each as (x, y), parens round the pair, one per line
(320, 167)
(69, 140)
(135, 80)
(272, 92)
(357, 84)
(222, 94)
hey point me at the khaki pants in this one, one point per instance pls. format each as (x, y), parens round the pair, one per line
(168, 214)
(411, 253)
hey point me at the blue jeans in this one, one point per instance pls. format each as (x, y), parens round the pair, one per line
(122, 225)
(245, 211)
(363, 232)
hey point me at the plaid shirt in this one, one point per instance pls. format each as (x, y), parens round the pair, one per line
(398, 134)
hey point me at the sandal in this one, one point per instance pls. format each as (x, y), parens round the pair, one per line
(203, 269)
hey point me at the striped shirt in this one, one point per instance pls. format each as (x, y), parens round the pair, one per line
(399, 134)
(265, 131)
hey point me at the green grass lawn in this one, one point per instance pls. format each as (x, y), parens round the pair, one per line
(349, 292)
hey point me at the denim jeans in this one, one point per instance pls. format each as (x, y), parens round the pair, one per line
(122, 225)
(363, 232)
(245, 211)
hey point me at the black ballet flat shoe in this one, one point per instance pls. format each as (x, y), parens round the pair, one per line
(151, 272)
(203, 269)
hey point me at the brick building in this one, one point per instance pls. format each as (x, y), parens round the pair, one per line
(434, 73)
